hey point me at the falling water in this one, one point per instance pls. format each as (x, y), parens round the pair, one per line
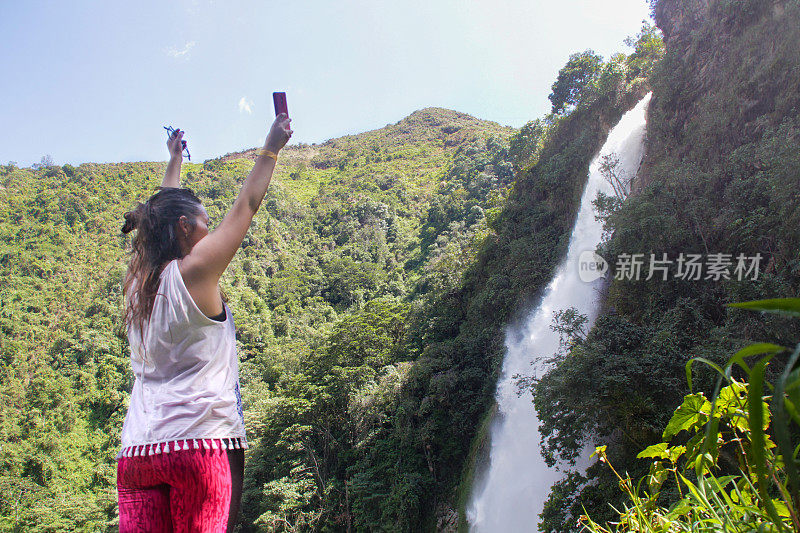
(510, 492)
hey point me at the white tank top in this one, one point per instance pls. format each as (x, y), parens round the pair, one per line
(187, 375)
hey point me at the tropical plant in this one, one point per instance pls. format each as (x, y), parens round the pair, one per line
(738, 470)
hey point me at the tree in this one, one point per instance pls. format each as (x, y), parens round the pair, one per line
(573, 78)
(45, 162)
(525, 145)
(648, 49)
(609, 169)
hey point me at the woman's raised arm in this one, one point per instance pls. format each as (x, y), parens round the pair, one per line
(211, 255)
(172, 177)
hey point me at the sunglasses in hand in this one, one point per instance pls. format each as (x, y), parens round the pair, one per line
(172, 132)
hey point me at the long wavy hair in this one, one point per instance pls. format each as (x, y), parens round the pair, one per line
(154, 245)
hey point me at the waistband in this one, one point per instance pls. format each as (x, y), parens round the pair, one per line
(226, 443)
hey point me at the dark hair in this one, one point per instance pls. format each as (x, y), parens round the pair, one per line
(155, 244)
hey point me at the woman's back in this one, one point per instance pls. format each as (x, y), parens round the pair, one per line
(186, 370)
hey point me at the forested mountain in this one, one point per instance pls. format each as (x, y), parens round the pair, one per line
(352, 234)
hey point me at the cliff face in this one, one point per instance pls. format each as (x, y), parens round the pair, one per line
(677, 18)
(720, 176)
(731, 72)
(725, 115)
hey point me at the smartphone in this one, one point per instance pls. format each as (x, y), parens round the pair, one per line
(279, 99)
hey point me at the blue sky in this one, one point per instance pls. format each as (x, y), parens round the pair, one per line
(96, 81)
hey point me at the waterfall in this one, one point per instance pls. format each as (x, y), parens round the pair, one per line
(510, 491)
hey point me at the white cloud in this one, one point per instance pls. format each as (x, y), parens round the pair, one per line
(246, 106)
(173, 52)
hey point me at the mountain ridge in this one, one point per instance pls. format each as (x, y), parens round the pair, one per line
(445, 122)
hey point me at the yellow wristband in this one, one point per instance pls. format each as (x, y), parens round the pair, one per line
(267, 153)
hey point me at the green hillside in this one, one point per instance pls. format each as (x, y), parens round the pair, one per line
(352, 232)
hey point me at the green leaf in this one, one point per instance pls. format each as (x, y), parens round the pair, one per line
(757, 437)
(732, 404)
(656, 477)
(759, 348)
(782, 430)
(791, 408)
(793, 395)
(656, 451)
(782, 306)
(680, 509)
(712, 364)
(695, 445)
(731, 399)
(675, 452)
(781, 508)
(693, 411)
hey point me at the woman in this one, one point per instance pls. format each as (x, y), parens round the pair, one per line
(182, 460)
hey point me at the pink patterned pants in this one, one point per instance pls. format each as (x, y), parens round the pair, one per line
(194, 490)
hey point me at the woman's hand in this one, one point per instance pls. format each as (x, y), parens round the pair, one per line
(175, 144)
(279, 133)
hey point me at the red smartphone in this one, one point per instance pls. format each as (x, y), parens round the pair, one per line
(279, 99)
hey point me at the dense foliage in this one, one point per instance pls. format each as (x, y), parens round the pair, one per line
(573, 78)
(720, 176)
(352, 233)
